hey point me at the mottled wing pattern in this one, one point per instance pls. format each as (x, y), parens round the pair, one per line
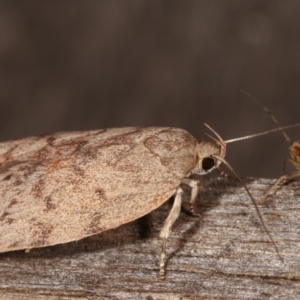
(63, 187)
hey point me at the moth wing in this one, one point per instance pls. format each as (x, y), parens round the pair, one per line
(66, 186)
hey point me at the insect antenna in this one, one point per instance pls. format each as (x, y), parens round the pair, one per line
(269, 113)
(294, 152)
(262, 133)
(254, 203)
(221, 142)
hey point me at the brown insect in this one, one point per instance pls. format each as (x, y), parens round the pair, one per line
(294, 149)
(66, 186)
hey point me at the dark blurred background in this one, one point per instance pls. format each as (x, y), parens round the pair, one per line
(80, 65)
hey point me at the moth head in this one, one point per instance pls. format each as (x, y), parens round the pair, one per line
(209, 154)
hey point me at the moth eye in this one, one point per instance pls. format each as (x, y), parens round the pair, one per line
(208, 163)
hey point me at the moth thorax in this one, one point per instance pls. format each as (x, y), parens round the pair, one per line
(206, 152)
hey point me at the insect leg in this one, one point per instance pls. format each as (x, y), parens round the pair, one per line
(275, 186)
(194, 184)
(165, 231)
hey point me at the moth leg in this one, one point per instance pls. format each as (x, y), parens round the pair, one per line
(166, 230)
(194, 184)
(275, 186)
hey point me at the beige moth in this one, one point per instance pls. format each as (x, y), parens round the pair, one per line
(66, 186)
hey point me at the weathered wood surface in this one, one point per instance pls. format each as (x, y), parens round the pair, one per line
(223, 255)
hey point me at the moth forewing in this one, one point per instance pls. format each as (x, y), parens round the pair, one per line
(64, 187)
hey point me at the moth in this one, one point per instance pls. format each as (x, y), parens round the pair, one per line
(67, 186)
(294, 150)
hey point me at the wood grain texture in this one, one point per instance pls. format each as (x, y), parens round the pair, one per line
(223, 255)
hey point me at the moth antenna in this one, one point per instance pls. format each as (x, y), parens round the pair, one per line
(268, 112)
(262, 133)
(254, 203)
(217, 141)
(220, 140)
